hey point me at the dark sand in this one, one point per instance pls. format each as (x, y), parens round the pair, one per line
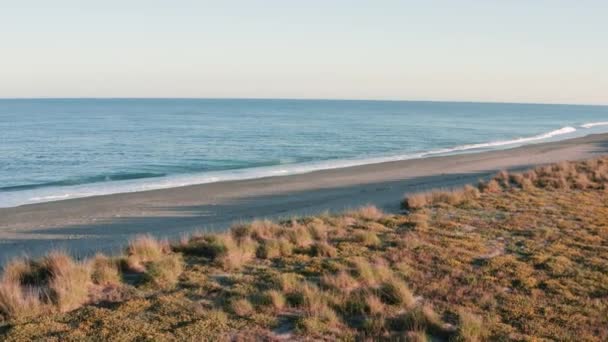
(85, 225)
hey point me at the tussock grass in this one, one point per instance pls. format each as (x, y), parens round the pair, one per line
(144, 249)
(368, 212)
(271, 249)
(319, 323)
(242, 307)
(104, 271)
(374, 326)
(342, 281)
(440, 197)
(521, 257)
(164, 273)
(69, 281)
(419, 220)
(264, 229)
(275, 299)
(19, 302)
(491, 186)
(323, 249)
(299, 236)
(318, 231)
(288, 282)
(396, 292)
(18, 271)
(470, 327)
(367, 238)
(374, 305)
(364, 271)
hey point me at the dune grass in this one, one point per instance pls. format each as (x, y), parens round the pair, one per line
(519, 257)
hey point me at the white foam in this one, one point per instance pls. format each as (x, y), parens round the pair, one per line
(563, 130)
(16, 198)
(593, 124)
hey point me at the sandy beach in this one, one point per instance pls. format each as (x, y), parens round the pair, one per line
(86, 225)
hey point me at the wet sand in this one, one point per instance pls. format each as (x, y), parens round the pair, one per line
(85, 225)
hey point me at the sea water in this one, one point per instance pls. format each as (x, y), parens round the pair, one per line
(53, 149)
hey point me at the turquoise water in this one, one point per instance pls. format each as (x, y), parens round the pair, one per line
(53, 149)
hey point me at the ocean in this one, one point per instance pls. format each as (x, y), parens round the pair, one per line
(53, 149)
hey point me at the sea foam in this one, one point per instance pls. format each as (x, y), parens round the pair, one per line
(594, 124)
(561, 131)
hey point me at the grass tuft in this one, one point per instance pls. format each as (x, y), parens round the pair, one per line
(17, 302)
(104, 271)
(470, 327)
(69, 282)
(242, 307)
(367, 238)
(396, 292)
(164, 273)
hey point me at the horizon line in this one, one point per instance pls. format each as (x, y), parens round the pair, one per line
(298, 99)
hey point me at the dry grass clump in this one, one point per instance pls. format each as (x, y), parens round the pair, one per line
(374, 305)
(318, 231)
(438, 197)
(16, 271)
(470, 327)
(419, 220)
(275, 299)
(159, 266)
(364, 271)
(424, 320)
(237, 255)
(341, 281)
(323, 249)
(299, 235)
(57, 281)
(18, 302)
(164, 273)
(276, 248)
(229, 251)
(417, 201)
(104, 271)
(367, 238)
(319, 323)
(318, 317)
(69, 281)
(312, 299)
(503, 178)
(288, 282)
(264, 229)
(144, 249)
(207, 245)
(242, 307)
(396, 292)
(491, 186)
(368, 212)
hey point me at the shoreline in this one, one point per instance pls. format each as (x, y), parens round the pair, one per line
(85, 225)
(182, 180)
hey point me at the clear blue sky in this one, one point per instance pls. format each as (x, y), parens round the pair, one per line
(490, 50)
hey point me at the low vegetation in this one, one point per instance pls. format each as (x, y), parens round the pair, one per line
(523, 256)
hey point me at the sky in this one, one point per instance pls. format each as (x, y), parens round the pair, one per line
(548, 51)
